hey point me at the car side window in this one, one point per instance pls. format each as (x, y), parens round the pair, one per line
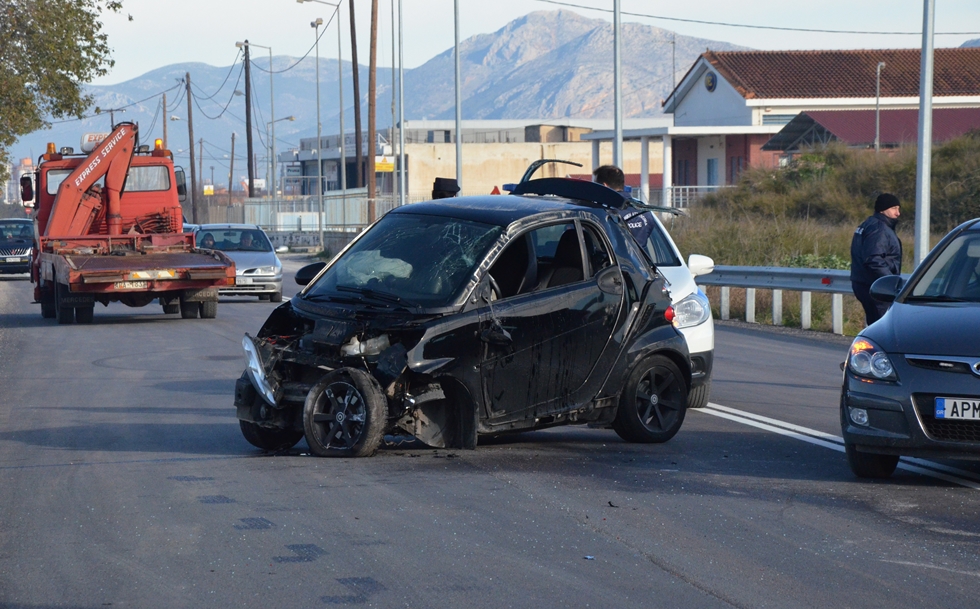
(539, 259)
(595, 250)
(658, 247)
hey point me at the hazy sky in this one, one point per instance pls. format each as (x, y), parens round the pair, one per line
(176, 31)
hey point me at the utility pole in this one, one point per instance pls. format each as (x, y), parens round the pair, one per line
(617, 87)
(391, 136)
(923, 174)
(459, 101)
(231, 166)
(401, 111)
(372, 182)
(358, 149)
(200, 172)
(190, 147)
(166, 119)
(248, 122)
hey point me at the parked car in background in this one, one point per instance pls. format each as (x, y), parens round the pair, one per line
(16, 243)
(912, 379)
(454, 318)
(692, 310)
(258, 271)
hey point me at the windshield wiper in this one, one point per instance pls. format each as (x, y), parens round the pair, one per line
(373, 294)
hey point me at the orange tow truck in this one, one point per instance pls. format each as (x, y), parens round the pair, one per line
(109, 228)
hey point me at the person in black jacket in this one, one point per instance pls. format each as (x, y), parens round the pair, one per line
(876, 252)
(639, 221)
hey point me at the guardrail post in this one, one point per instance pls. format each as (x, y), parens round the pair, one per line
(777, 307)
(805, 310)
(750, 305)
(837, 312)
(726, 302)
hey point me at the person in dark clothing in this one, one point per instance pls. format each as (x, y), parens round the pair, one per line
(639, 221)
(876, 252)
(444, 188)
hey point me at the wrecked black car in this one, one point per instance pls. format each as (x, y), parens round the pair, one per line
(461, 317)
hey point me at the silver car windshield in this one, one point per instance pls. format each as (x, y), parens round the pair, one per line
(233, 240)
(406, 258)
(954, 274)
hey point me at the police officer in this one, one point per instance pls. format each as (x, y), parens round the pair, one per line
(639, 221)
(876, 252)
(444, 188)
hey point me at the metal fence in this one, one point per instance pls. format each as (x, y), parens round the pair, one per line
(806, 281)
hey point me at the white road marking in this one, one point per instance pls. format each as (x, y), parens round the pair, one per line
(928, 566)
(816, 437)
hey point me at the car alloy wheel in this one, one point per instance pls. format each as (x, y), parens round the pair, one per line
(344, 415)
(653, 403)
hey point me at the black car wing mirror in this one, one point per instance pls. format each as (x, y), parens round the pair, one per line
(610, 281)
(496, 335)
(885, 289)
(26, 188)
(306, 274)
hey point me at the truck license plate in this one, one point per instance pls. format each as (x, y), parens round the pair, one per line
(16, 259)
(131, 285)
(957, 408)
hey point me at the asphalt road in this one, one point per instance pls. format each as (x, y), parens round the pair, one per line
(125, 482)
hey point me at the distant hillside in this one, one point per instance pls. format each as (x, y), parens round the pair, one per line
(546, 64)
(971, 43)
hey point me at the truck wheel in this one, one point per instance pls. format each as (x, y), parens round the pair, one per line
(269, 439)
(264, 296)
(189, 310)
(84, 315)
(345, 414)
(170, 307)
(698, 398)
(65, 315)
(276, 297)
(47, 305)
(209, 309)
(653, 403)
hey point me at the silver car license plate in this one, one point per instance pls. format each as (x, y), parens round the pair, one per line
(957, 408)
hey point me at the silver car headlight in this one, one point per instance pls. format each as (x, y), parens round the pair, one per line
(256, 371)
(868, 360)
(266, 270)
(692, 310)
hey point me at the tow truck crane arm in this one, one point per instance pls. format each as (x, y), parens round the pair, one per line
(79, 199)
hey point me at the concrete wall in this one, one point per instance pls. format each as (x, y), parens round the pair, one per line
(489, 165)
(723, 106)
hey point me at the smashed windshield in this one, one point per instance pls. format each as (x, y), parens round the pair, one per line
(954, 274)
(410, 259)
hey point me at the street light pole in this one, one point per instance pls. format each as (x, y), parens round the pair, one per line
(617, 88)
(923, 177)
(272, 146)
(319, 162)
(881, 64)
(459, 104)
(401, 111)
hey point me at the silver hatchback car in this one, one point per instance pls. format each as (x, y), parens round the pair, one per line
(258, 271)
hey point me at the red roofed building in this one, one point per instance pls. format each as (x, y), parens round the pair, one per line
(729, 104)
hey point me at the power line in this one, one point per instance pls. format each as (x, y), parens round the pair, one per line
(230, 98)
(307, 54)
(227, 76)
(755, 27)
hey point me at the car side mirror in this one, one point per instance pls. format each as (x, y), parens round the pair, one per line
(26, 188)
(282, 249)
(181, 184)
(885, 289)
(496, 335)
(700, 265)
(306, 274)
(610, 281)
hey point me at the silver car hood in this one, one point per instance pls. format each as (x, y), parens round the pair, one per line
(245, 261)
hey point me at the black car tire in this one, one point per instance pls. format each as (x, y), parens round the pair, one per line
(269, 439)
(653, 403)
(65, 315)
(189, 310)
(698, 398)
(85, 315)
(265, 296)
(345, 415)
(870, 465)
(209, 309)
(276, 297)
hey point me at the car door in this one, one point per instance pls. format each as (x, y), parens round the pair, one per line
(544, 338)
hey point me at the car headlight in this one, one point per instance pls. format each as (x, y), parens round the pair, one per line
(692, 310)
(868, 360)
(256, 371)
(267, 270)
(372, 346)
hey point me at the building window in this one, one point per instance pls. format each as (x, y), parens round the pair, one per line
(712, 172)
(777, 119)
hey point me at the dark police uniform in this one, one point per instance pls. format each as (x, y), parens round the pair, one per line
(876, 252)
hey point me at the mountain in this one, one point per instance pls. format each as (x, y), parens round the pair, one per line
(547, 64)
(971, 43)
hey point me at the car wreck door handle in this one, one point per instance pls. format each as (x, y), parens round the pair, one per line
(610, 281)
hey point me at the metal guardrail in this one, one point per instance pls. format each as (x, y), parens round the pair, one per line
(806, 281)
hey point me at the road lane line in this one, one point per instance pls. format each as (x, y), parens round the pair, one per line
(819, 438)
